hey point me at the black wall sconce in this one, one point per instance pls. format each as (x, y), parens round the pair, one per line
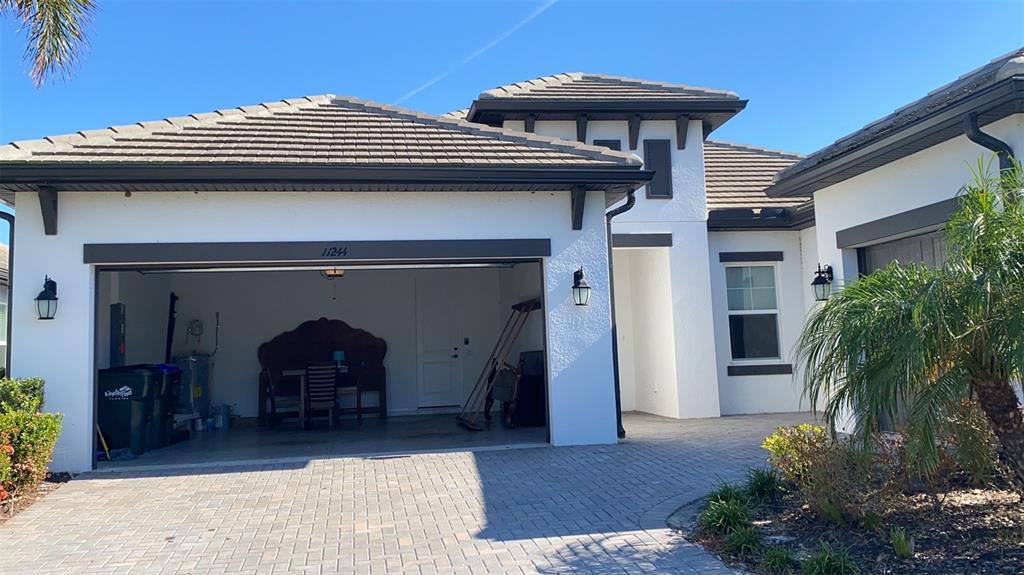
(822, 283)
(46, 301)
(580, 288)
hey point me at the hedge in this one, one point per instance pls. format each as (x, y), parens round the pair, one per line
(27, 436)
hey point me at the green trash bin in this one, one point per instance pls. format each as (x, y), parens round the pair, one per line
(125, 405)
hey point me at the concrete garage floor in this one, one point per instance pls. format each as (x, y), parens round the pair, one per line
(416, 433)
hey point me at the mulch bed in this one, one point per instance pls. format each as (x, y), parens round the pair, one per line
(52, 482)
(963, 530)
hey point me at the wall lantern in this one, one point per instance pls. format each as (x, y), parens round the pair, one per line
(822, 283)
(332, 273)
(580, 288)
(46, 301)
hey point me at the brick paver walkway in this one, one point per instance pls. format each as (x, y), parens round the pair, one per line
(598, 509)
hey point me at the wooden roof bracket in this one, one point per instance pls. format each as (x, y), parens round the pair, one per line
(530, 123)
(577, 200)
(634, 131)
(48, 207)
(682, 124)
(581, 128)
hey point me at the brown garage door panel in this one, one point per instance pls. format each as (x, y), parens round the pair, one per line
(929, 249)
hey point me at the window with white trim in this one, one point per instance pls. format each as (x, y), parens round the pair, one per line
(753, 312)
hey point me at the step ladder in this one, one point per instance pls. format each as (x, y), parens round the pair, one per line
(477, 404)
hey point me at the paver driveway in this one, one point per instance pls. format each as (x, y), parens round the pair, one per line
(599, 509)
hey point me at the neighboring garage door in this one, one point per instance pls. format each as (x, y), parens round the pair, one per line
(929, 249)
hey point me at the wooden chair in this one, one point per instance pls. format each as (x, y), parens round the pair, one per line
(282, 393)
(322, 390)
(348, 384)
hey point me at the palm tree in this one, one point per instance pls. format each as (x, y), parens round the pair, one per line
(911, 340)
(56, 33)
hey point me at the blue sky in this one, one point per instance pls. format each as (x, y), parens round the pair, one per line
(812, 71)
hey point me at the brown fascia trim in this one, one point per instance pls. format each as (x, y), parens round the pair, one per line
(735, 257)
(220, 254)
(651, 240)
(57, 173)
(910, 222)
(995, 102)
(744, 219)
(715, 111)
(760, 369)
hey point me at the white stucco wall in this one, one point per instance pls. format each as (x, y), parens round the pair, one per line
(924, 178)
(761, 393)
(809, 255)
(685, 217)
(647, 367)
(578, 339)
(625, 328)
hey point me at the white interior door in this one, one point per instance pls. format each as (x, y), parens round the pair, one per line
(440, 373)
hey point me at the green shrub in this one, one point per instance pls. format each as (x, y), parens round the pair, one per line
(839, 480)
(764, 485)
(972, 440)
(744, 542)
(724, 517)
(828, 560)
(729, 492)
(27, 437)
(792, 449)
(777, 559)
(902, 544)
(21, 395)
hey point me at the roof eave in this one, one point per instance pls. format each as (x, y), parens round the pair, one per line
(716, 110)
(768, 218)
(17, 175)
(991, 103)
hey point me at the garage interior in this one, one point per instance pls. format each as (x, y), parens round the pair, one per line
(406, 343)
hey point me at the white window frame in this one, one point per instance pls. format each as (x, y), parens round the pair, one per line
(777, 310)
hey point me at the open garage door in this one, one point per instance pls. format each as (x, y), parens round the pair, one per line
(225, 311)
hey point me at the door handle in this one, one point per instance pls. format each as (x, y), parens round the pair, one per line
(455, 355)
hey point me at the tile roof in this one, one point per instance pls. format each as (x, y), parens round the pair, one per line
(583, 86)
(317, 130)
(736, 175)
(1001, 68)
(460, 114)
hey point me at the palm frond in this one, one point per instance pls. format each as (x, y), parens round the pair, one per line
(908, 341)
(56, 33)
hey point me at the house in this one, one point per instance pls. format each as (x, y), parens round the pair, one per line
(884, 192)
(424, 231)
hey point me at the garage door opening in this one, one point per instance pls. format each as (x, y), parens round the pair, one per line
(234, 375)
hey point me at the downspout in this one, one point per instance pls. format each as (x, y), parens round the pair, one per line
(630, 202)
(9, 218)
(1001, 148)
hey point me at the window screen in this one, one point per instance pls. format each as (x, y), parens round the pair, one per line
(753, 312)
